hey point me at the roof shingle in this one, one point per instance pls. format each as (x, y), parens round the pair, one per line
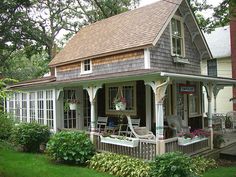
(126, 31)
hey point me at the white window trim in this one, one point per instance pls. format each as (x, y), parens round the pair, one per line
(82, 68)
(182, 32)
(115, 112)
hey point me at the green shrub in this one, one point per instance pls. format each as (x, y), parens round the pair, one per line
(70, 147)
(119, 165)
(6, 125)
(218, 139)
(200, 165)
(30, 136)
(174, 164)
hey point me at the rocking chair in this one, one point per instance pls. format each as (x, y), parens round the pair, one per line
(175, 123)
(140, 132)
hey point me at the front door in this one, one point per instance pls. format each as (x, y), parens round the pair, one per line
(181, 104)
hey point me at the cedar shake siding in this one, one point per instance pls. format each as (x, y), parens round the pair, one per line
(105, 65)
(162, 60)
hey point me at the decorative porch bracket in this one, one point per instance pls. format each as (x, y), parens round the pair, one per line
(59, 91)
(159, 88)
(209, 89)
(216, 89)
(92, 92)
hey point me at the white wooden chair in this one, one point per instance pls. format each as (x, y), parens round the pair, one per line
(175, 123)
(101, 124)
(140, 132)
(218, 120)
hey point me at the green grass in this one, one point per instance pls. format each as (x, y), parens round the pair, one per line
(18, 164)
(221, 172)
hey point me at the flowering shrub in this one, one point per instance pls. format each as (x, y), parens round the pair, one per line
(73, 101)
(198, 132)
(201, 133)
(118, 100)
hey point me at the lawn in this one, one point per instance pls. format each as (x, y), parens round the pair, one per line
(221, 172)
(17, 164)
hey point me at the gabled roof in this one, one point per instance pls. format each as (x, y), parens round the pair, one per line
(128, 31)
(219, 42)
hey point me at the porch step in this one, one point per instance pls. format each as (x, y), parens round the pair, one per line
(229, 153)
(215, 153)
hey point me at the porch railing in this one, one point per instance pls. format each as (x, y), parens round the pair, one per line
(171, 145)
(145, 150)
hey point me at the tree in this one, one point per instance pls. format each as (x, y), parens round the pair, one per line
(224, 12)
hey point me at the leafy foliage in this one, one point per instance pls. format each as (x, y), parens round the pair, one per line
(30, 136)
(200, 165)
(70, 147)
(119, 165)
(172, 164)
(218, 139)
(6, 125)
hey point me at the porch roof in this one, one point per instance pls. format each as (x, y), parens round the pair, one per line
(142, 74)
(203, 78)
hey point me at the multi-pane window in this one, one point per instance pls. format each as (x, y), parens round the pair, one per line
(212, 67)
(126, 90)
(24, 107)
(17, 107)
(86, 102)
(194, 105)
(112, 92)
(49, 108)
(69, 115)
(86, 66)
(32, 106)
(12, 105)
(40, 107)
(177, 37)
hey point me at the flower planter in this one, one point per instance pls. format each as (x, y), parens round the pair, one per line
(73, 106)
(120, 140)
(120, 106)
(187, 141)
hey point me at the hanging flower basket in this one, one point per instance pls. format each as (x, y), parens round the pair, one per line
(72, 106)
(73, 103)
(120, 106)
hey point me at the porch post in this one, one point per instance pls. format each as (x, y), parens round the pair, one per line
(92, 91)
(159, 88)
(209, 89)
(216, 90)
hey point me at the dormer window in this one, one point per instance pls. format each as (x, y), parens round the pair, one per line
(177, 37)
(86, 67)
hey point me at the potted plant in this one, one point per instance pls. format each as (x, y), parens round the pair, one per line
(72, 103)
(218, 140)
(120, 103)
(228, 122)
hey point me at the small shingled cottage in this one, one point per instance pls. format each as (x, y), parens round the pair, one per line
(147, 59)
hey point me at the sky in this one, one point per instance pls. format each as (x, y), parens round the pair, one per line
(207, 14)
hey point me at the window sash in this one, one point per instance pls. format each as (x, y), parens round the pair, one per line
(177, 37)
(129, 93)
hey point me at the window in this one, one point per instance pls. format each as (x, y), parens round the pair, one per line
(128, 90)
(11, 105)
(87, 117)
(177, 37)
(24, 107)
(86, 66)
(32, 106)
(40, 107)
(194, 101)
(212, 67)
(17, 107)
(49, 108)
(69, 115)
